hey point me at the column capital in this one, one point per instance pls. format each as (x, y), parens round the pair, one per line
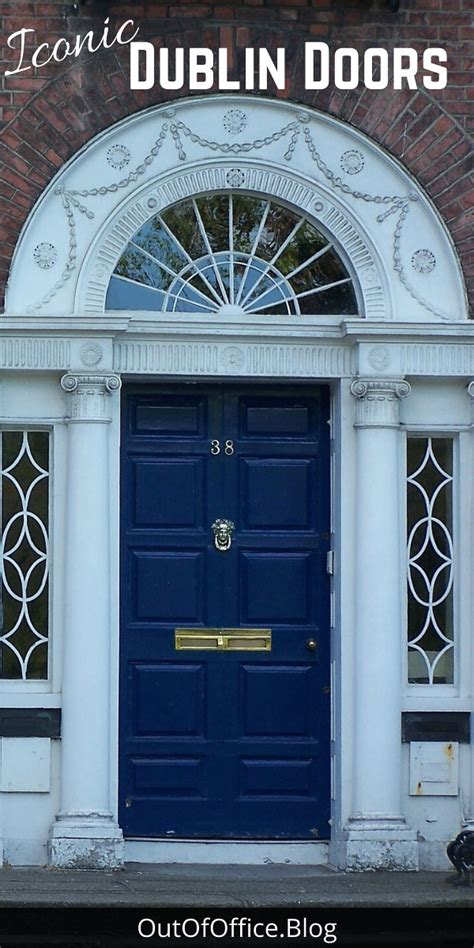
(470, 389)
(378, 401)
(87, 395)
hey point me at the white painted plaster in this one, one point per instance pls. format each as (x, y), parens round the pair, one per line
(27, 819)
(437, 819)
(25, 765)
(435, 403)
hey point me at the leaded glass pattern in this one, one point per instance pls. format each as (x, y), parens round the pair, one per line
(228, 253)
(24, 492)
(430, 560)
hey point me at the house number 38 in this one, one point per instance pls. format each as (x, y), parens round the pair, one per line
(216, 447)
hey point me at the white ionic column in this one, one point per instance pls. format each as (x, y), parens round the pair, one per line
(85, 834)
(378, 836)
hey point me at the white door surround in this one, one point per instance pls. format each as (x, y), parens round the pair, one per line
(412, 324)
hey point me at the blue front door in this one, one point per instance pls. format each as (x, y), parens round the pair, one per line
(219, 742)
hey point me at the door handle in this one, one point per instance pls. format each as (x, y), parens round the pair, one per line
(312, 645)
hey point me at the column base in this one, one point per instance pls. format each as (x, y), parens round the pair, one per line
(381, 844)
(86, 841)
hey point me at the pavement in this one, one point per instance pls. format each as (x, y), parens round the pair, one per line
(227, 886)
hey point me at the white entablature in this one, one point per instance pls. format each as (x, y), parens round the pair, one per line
(388, 234)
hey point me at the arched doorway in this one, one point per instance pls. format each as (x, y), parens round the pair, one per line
(307, 258)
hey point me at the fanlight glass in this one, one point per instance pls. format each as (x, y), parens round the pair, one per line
(231, 253)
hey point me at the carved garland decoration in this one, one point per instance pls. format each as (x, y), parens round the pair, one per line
(398, 205)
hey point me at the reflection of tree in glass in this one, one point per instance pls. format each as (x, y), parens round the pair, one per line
(211, 267)
(214, 213)
(306, 242)
(133, 265)
(248, 213)
(278, 225)
(341, 300)
(324, 270)
(182, 221)
(155, 239)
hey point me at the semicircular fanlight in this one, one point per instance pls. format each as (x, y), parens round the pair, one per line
(231, 253)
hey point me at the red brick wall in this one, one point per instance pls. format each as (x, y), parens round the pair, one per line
(47, 114)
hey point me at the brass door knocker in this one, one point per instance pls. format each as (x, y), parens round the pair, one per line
(223, 530)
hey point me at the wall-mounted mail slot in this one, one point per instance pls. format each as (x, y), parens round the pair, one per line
(223, 640)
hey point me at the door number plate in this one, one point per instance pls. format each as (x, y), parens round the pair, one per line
(216, 447)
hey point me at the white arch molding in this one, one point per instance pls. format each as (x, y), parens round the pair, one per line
(388, 233)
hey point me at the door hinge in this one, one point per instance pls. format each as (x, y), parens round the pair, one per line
(330, 562)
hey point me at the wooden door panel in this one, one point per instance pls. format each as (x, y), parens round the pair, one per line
(220, 743)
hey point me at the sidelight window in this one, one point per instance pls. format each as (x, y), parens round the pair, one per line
(430, 560)
(228, 253)
(24, 607)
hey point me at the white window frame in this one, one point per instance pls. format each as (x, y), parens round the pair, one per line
(44, 692)
(453, 696)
